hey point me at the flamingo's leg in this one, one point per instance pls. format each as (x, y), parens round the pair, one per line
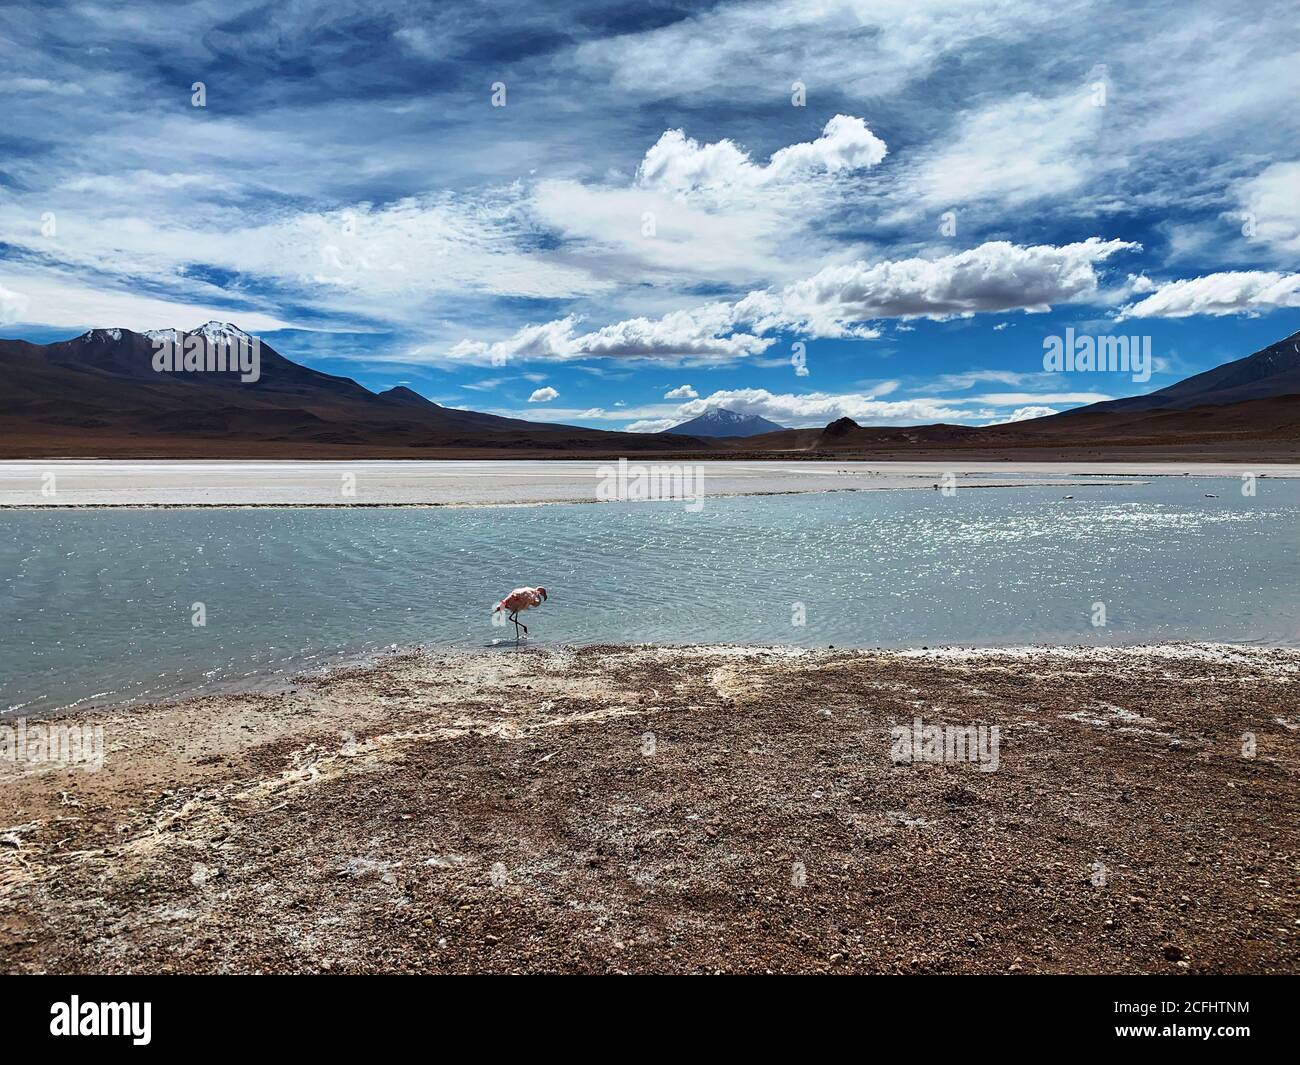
(514, 617)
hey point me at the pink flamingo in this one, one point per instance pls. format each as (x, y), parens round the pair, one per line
(521, 599)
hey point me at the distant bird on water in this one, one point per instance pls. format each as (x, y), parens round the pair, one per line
(520, 599)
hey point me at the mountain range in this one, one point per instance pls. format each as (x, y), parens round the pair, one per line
(99, 394)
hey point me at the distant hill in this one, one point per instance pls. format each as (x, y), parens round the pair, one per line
(719, 422)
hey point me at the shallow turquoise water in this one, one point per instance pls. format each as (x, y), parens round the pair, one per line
(97, 604)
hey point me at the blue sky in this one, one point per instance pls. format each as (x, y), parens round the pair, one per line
(671, 198)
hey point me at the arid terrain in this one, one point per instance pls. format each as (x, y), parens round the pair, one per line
(677, 810)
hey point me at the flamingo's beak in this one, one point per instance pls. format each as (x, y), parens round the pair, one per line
(543, 591)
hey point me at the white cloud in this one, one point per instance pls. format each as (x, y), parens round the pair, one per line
(682, 392)
(13, 306)
(1016, 150)
(1270, 204)
(654, 425)
(49, 299)
(1233, 292)
(634, 235)
(543, 395)
(709, 211)
(41, 85)
(753, 49)
(969, 378)
(1021, 414)
(1006, 399)
(700, 333)
(679, 164)
(392, 263)
(996, 276)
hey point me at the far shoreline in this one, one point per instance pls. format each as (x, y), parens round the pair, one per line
(58, 484)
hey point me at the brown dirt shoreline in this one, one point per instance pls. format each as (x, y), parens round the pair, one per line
(509, 812)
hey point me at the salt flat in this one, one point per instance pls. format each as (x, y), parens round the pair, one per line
(58, 483)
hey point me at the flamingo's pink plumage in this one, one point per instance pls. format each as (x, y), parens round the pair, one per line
(521, 599)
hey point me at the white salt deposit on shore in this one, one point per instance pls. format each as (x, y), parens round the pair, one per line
(59, 483)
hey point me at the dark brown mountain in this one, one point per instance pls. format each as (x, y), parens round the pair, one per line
(1270, 372)
(402, 394)
(99, 395)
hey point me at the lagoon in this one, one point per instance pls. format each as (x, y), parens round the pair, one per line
(99, 606)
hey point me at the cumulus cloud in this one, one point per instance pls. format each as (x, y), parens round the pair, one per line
(543, 395)
(682, 392)
(699, 333)
(996, 276)
(1232, 292)
(680, 164)
(709, 210)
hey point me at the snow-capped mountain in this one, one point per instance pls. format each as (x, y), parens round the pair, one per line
(718, 421)
(215, 330)
(212, 330)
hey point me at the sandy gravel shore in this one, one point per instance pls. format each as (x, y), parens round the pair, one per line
(467, 483)
(678, 810)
